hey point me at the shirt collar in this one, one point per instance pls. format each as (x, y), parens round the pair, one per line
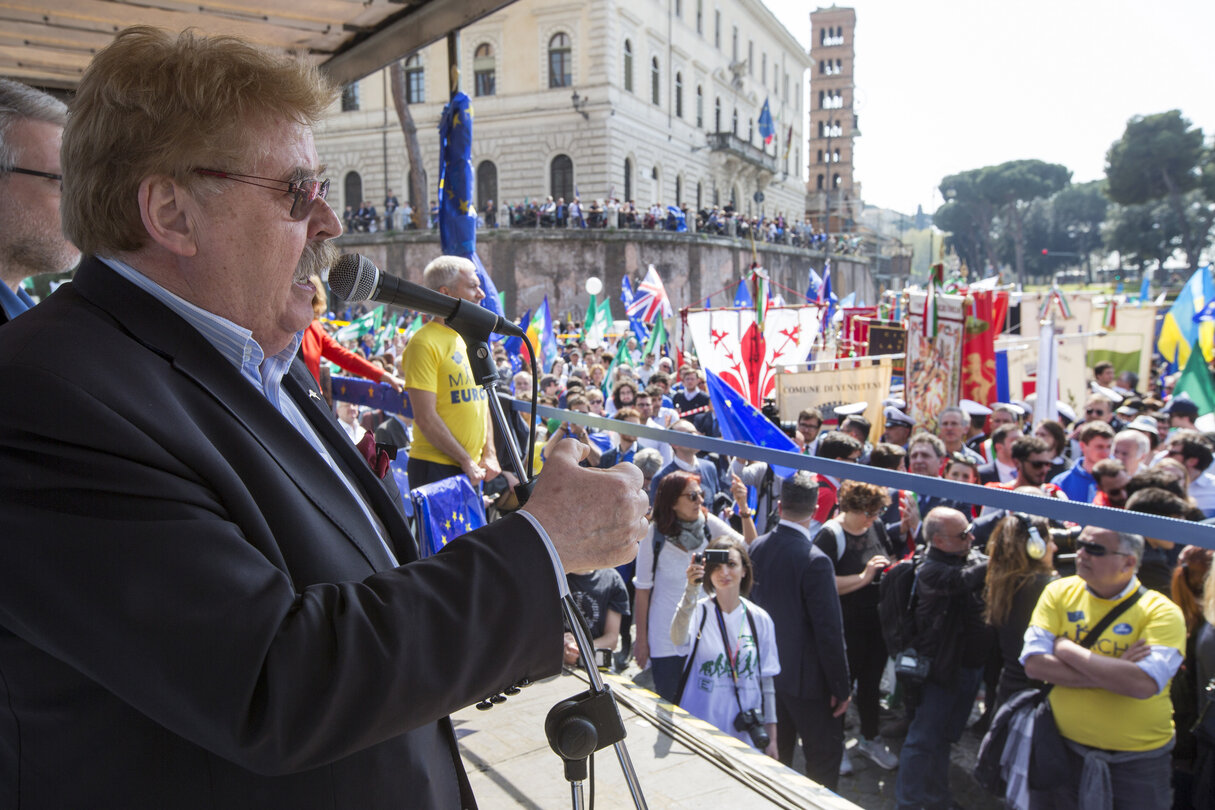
(233, 341)
(14, 303)
(797, 527)
(681, 464)
(1130, 586)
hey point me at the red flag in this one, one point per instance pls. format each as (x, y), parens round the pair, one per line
(979, 350)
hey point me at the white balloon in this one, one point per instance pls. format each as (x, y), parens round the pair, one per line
(594, 285)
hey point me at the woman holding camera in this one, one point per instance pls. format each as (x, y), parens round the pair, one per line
(681, 527)
(731, 644)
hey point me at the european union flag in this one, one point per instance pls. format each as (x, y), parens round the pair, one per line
(742, 296)
(445, 510)
(739, 421)
(375, 395)
(457, 214)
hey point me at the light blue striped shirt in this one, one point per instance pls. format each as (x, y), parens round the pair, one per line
(265, 374)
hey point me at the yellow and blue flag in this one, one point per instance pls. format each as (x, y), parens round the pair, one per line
(445, 510)
(1180, 332)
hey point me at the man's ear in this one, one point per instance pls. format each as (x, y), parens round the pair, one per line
(167, 210)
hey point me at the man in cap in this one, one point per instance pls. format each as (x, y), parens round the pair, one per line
(1181, 411)
(31, 240)
(239, 619)
(898, 426)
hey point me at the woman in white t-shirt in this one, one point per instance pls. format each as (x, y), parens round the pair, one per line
(681, 527)
(732, 644)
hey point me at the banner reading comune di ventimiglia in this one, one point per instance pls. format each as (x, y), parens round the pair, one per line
(866, 380)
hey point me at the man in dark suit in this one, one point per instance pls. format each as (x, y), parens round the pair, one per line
(31, 241)
(795, 583)
(208, 598)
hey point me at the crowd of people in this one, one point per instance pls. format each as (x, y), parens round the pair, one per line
(754, 602)
(173, 400)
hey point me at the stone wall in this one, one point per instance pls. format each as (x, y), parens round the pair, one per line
(527, 265)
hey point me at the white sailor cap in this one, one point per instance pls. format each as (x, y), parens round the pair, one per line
(851, 409)
(896, 418)
(972, 408)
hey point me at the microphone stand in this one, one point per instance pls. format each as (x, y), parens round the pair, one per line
(589, 721)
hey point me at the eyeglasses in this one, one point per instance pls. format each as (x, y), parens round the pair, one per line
(304, 192)
(35, 173)
(873, 514)
(1097, 550)
(1039, 465)
(969, 531)
(694, 497)
(1095, 412)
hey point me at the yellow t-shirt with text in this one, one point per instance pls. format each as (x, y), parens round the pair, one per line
(436, 360)
(1097, 717)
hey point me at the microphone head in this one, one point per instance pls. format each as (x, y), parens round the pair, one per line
(353, 277)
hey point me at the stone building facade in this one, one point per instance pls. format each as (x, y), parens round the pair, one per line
(649, 100)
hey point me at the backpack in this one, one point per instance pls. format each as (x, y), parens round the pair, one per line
(896, 603)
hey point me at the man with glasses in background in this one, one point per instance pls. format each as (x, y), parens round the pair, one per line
(1111, 700)
(31, 240)
(209, 598)
(950, 632)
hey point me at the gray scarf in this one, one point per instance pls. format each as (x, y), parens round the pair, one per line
(691, 533)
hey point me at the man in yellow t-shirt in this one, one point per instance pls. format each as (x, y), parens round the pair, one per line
(1111, 701)
(452, 432)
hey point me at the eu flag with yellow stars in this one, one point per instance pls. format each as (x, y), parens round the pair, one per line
(457, 213)
(445, 510)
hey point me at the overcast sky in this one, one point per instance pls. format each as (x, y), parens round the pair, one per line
(945, 85)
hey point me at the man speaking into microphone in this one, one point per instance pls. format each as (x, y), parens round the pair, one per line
(208, 597)
(452, 431)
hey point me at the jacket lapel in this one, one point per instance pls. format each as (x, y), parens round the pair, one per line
(163, 331)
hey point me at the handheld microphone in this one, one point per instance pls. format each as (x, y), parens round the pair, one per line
(354, 277)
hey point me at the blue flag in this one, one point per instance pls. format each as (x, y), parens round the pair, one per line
(548, 344)
(766, 130)
(1145, 289)
(375, 395)
(681, 220)
(739, 421)
(446, 509)
(514, 345)
(635, 323)
(1207, 313)
(742, 296)
(457, 215)
(813, 285)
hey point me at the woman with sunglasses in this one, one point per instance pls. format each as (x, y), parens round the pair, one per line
(1021, 563)
(857, 543)
(731, 642)
(681, 526)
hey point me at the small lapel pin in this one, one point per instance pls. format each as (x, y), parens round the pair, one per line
(314, 394)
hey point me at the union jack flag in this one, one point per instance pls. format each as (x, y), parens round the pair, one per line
(650, 298)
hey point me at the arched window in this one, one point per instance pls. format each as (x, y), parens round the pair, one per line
(700, 107)
(819, 185)
(654, 80)
(484, 71)
(352, 189)
(628, 180)
(700, 16)
(700, 203)
(835, 181)
(820, 156)
(734, 197)
(679, 95)
(350, 97)
(734, 123)
(559, 61)
(415, 80)
(487, 183)
(657, 183)
(750, 130)
(678, 189)
(628, 66)
(562, 177)
(717, 115)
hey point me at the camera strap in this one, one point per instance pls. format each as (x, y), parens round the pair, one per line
(725, 641)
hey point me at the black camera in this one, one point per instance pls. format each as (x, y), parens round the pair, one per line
(750, 721)
(717, 556)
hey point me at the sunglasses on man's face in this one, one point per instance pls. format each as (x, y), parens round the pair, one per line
(1039, 465)
(1096, 549)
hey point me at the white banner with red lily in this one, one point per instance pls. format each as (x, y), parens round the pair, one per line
(730, 343)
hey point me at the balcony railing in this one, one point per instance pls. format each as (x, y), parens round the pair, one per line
(731, 144)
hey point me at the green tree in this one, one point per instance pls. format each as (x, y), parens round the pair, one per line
(969, 219)
(1011, 186)
(1144, 234)
(1162, 157)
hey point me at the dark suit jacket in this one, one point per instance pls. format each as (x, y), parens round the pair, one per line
(988, 474)
(795, 583)
(194, 612)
